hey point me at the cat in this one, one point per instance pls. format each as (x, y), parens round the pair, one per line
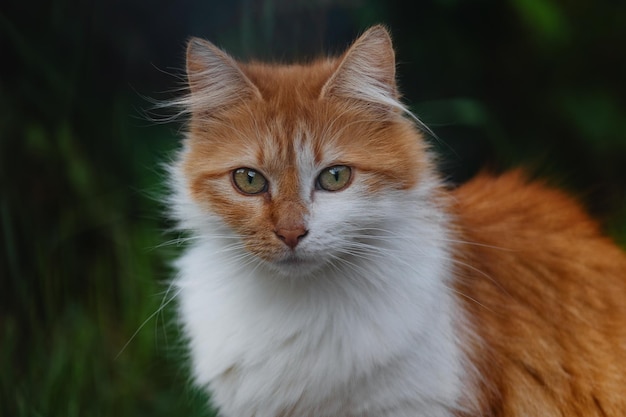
(331, 272)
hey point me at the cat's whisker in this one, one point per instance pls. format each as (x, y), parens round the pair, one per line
(337, 262)
(165, 300)
(449, 287)
(475, 301)
(179, 241)
(164, 303)
(366, 252)
(469, 243)
(386, 252)
(232, 247)
(241, 258)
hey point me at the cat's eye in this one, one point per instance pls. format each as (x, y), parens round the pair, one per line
(334, 178)
(249, 181)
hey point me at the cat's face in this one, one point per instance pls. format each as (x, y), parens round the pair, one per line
(299, 168)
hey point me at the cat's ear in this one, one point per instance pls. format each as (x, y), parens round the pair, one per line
(215, 79)
(367, 70)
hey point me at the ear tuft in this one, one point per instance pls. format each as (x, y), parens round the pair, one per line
(215, 79)
(367, 70)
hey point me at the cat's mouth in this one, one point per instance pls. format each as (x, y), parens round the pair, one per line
(293, 264)
(293, 260)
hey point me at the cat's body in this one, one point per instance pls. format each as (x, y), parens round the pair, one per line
(545, 292)
(331, 274)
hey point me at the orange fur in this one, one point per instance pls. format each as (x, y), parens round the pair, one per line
(545, 292)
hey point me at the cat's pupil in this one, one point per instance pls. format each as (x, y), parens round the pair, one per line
(249, 181)
(334, 178)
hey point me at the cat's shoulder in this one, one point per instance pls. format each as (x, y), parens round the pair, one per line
(529, 219)
(512, 202)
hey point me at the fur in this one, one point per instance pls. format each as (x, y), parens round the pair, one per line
(398, 298)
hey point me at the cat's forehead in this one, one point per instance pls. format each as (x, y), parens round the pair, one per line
(290, 82)
(289, 123)
(265, 137)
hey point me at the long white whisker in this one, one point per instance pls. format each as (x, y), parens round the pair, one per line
(364, 250)
(164, 303)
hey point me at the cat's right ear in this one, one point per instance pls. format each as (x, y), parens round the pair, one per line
(367, 71)
(215, 79)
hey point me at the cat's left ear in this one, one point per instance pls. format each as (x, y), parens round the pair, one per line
(367, 70)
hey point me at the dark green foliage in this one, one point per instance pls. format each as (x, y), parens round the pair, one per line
(83, 269)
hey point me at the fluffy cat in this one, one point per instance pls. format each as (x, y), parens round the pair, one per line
(330, 272)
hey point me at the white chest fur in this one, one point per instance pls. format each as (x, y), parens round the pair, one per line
(338, 344)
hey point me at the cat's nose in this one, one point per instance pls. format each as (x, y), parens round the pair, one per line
(291, 237)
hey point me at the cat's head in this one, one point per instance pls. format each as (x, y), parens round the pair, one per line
(301, 163)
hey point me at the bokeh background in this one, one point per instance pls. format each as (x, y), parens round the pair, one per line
(86, 327)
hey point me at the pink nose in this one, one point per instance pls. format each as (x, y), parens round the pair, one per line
(291, 237)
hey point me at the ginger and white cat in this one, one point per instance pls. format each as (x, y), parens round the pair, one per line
(332, 274)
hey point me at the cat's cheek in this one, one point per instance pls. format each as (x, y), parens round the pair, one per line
(248, 217)
(242, 214)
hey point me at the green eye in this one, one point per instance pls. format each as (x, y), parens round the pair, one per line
(248, 181)
(334, 178)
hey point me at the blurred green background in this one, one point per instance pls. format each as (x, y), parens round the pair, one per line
(83, 265)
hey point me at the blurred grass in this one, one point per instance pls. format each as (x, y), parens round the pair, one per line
(82, 267)
(83, 272)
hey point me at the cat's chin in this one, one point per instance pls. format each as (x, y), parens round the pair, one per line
(295, 266)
